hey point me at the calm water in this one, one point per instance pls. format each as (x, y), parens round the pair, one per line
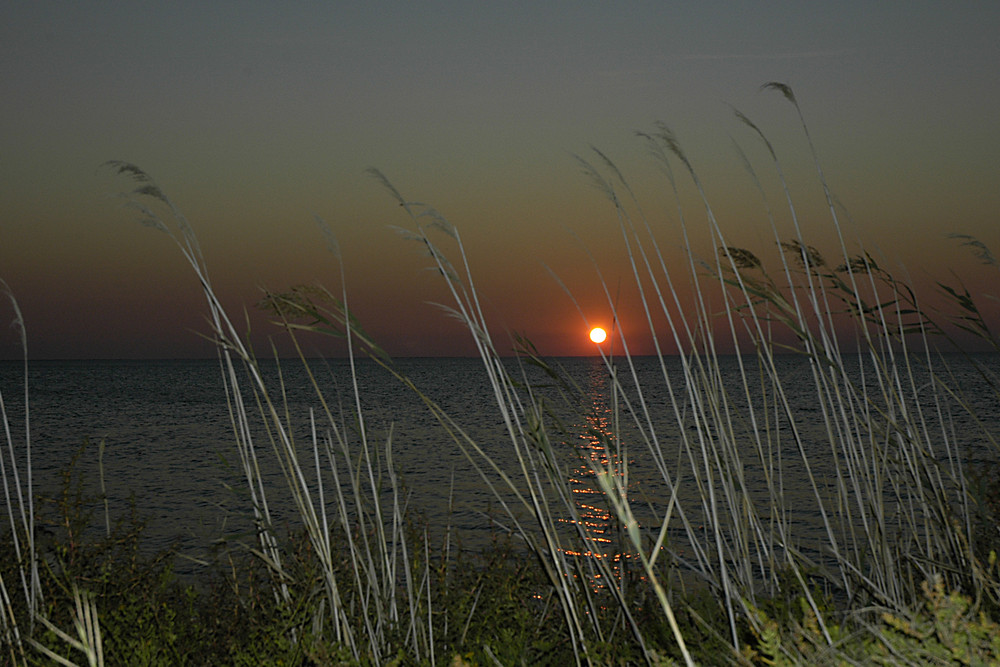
(169, 442)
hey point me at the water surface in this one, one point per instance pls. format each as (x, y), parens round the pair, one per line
(168, 441)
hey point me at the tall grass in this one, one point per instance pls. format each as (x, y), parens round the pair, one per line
(897, 511)
(875, 461)
(19, 502)
(379, 595)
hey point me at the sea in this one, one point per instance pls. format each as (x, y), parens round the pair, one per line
(156, 437)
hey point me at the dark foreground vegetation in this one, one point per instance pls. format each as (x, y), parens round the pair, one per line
(713, 572)
(491, 608)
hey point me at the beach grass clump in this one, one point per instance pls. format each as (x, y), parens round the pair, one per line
(835, 521)
(893, 505)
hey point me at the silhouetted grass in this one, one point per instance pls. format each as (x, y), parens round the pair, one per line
(715, 571)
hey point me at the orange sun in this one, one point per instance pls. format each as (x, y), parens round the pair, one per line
(598, 335)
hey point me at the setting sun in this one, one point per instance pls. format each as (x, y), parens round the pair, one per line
(598, 335)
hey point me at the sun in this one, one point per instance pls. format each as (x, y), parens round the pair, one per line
(598, 335)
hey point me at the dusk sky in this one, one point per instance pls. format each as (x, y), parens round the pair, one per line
(254, 117)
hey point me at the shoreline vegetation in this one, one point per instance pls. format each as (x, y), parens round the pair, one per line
(712, 573)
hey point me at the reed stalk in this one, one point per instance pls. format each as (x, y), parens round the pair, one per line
(19, 502)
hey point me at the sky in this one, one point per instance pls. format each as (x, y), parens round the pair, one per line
(254, 118)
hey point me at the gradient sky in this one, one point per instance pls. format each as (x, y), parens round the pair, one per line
(255, 116)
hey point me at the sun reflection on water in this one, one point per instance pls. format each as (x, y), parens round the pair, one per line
(596, 437)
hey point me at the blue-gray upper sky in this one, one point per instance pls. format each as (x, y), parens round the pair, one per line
(255, 116)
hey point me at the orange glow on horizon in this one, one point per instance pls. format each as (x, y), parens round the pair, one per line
(598, 335)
